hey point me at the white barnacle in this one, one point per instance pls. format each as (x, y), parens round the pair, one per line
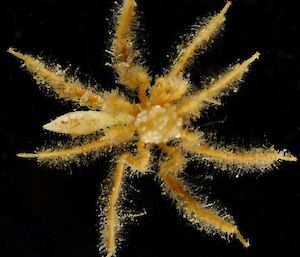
(85, 122)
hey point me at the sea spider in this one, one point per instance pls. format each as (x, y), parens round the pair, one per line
(161, 118)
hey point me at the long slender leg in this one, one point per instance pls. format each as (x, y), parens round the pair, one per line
(114, 136)
(64, 86)
(199, 41)
(198, 213)
(112, 226)
(256, 158)
(195, 103)
(131, 74)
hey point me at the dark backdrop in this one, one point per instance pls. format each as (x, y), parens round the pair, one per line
(49, 212)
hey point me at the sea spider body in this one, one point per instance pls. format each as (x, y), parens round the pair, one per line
(158, 124)
(161, 118)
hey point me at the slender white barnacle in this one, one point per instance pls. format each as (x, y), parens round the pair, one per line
(158, 124)
(84, 122)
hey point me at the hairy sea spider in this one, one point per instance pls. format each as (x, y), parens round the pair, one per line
(161, 118)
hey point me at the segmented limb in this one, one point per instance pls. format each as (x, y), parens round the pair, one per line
(131, 74)
(176, 162)
(199, 41)
(65, 87)
(113, 136)
(258, 158)
(112, 226)
(195, 103)
(197, 212)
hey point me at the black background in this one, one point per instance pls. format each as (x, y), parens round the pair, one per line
(49, 212)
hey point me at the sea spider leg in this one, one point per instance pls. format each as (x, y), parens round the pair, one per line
(199, 41)
(131, 74)
(195, 211)
(260, 158)
(228, 80)
(64, 86)
(112, 225)
(113, 136)
(177, 161)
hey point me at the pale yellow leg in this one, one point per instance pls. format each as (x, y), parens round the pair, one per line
(176, 162)
(141, 163)
(112, 222)
(114, 136)
(258, 158)
(112, 225)
(65, 87)
(131, 74)
(211, 94)
(192, 208)
(122, 45)
(199, 41)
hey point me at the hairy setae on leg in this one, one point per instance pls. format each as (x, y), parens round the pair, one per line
(195, 211)
(66, 87)
(111, 228)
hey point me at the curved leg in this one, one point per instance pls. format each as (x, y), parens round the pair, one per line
(65, 87)
(112, 226)
(176, 161)
(199, 41)
(131, 74)
(195, 103)
(256, 158)
(197, 213)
